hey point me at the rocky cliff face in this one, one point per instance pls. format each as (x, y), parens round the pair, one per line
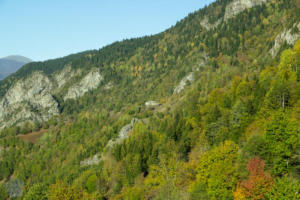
(288, 36)
(64, 75)
(205, 23)
(28, 99)
(123, 135)
(183, 83)
(90, 161)
(232, 9)
(89, 82)
(32, 98)
(124, 132)
(237, 6)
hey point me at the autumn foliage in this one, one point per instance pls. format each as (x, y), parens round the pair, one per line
(258, 183)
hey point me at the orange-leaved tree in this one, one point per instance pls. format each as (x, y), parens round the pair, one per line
(258, 183)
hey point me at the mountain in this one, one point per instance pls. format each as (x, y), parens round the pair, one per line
(11, 64)
(207, 109)
(18, 58)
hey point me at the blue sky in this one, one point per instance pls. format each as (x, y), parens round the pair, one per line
(45, 29)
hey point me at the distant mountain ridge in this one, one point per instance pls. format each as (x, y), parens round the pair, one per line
(11, 64)
(18, 58)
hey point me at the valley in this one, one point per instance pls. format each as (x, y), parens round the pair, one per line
(207, 109)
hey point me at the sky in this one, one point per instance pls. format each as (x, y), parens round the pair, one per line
(47, 29)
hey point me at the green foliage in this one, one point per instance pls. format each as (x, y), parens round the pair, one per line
(284, 188)
(198, 192)
(37, 191)
(60, 191)
(163, 179)
(214, 178)
(255, 146)
(131, 193)
(282, 139)
(3, 193)
(194, 145)
(91, 183)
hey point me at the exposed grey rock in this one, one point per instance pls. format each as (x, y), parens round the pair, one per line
(208, 25)
(64, 75)
(232, 9)
(28, 99)
(238, 6)
(32, 98)
(108, 86)
(285, 36)
(89, 82)
(202, 62)
(14, 188)
(124, 132)
(151, 103)
(183, 83)
(90, 161)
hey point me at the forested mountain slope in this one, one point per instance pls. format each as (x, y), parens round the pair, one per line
(208, 109)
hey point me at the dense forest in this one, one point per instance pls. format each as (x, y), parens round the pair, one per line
(233, 133)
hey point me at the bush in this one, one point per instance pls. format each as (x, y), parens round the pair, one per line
(37, 191)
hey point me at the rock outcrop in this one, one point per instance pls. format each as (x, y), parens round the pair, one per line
(90, 161)
(287, 36)
(232, 9)
(124, 132)
(238, 6)
(28, 99)
(89, 82)
(109, 86)
(64, 75)
(32, 98)
(151, 103)
(205, 23)
(183, 83)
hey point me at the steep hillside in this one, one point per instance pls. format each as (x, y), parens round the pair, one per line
(208, 109)
(11, 64)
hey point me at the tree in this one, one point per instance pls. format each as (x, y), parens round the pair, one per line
(61, 191)
(243, 89)
(255, 146)
(214, 178)
(37, 191)
(163, 179)
(132, 167)
(3, 193)
(258, 183)
(130, 193)
(297, 59)
(282, 140)
(284, 188)
(91, 183)
(280, 93)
